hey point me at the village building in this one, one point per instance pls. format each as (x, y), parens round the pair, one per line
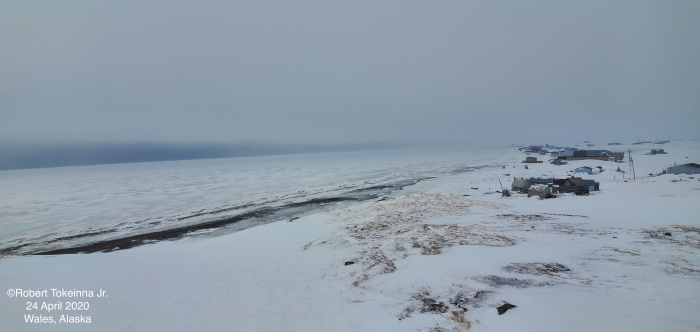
(534, 181)
(592, 185)
(575, 185)
(540, 190)
(531, 160)
(557, 185)
(617, 156)
(520, 185)
(584, 154)
(584, 169)
(534, 148)
(691, 168)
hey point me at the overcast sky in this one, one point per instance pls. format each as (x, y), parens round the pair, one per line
(345, 72)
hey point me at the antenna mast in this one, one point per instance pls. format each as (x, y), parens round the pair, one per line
(631, 162)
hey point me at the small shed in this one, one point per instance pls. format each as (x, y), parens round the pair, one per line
(691, 168)
(520, 185)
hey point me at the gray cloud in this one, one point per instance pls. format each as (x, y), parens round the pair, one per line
(355, 72)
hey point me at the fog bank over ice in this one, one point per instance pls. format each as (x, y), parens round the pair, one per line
(21, 156)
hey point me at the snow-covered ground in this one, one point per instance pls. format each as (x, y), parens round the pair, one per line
(428, 258)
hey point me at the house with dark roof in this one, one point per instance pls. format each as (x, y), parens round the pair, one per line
(584, 154)
(575, 185)
(690, 168)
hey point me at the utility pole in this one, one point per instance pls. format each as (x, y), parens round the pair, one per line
(631, 162)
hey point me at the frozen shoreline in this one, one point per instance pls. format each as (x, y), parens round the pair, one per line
(108, 207)
(253, 218)
(425, 249)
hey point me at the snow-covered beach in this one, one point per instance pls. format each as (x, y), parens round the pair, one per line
(442, 254)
